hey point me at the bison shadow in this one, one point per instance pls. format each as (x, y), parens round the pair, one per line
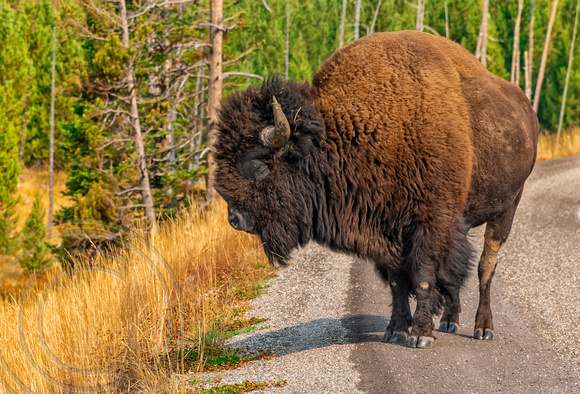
(315, 334)
(320, 333)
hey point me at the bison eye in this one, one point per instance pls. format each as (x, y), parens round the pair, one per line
(253, 169)
(259, 169)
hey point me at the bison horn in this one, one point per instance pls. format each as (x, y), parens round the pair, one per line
(276, 136)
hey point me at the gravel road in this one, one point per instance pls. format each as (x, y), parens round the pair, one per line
(326, 313)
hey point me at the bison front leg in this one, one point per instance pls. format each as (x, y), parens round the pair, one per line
(439, 267)
(398, 329)
(422, 329)
(450, 318)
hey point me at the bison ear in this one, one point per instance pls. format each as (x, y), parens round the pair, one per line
(276, 136)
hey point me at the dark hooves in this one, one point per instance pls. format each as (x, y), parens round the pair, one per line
(451, 327)
(478, 334)
(422, 342)
(396, 337)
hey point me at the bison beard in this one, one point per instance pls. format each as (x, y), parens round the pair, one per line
(401, 145)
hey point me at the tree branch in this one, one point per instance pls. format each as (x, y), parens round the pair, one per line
(129, 191)
(266, 5)
(241, 74)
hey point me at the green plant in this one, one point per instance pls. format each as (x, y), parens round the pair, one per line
(241, 387)
(36, 253)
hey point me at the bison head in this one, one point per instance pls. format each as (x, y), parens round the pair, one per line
(266, 157)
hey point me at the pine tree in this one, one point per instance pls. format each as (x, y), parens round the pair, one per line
(13, 68)
(36, 254)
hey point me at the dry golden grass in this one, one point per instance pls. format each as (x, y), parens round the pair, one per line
(568, 145)
(118, 323)
(36, 181)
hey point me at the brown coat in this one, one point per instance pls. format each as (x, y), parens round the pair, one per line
(403, 142)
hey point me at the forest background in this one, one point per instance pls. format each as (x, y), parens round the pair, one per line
(132, 107)
(131, 84)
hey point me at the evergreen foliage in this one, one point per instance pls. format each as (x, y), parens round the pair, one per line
(13, 66)
(36, 253)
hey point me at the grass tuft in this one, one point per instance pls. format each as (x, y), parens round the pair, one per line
(241, 387)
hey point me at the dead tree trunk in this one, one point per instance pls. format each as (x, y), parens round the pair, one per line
(420, 14)
(24, 118)
(545, 56)
(375, 16)
(446, 21)
(215, 83)
(530, 57)
(51, 160)
(515, 74)
(342, 21)
(570, 58)
(527, 74)
(357, 20)
(287, 53)
(145, 185)
(481, 51)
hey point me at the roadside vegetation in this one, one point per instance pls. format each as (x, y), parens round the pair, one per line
(139, 317)
(549, 147)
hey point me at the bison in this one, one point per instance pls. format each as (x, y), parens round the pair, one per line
(402, 143)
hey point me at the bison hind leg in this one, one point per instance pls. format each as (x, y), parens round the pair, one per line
(451, 277)
(497, 231)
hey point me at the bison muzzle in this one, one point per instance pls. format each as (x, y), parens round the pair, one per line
(402, 143)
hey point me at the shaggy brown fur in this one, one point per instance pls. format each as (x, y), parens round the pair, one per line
(403, 143)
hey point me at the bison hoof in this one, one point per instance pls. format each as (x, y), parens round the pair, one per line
(396, 337)
(478, 334)
(422, 342)
(451, 327)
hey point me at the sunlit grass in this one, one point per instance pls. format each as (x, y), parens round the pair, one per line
(568, 145)
(36, 181)
(120, 321)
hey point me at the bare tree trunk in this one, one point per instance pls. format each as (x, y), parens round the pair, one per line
(342, 21)
(24, 118)
(570, 58)
(515, 74)
(545, 56)
(481, 51)
(530, 57)
(375, 16)
(357, 20)
(51, 160)
(420, 14)
(287, 54)
(145, 184)
(527, 74)
(215, 84)
(195, 129)
(446, 21)
(201, 112)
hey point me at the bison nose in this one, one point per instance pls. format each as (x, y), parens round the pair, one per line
(235, 219)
